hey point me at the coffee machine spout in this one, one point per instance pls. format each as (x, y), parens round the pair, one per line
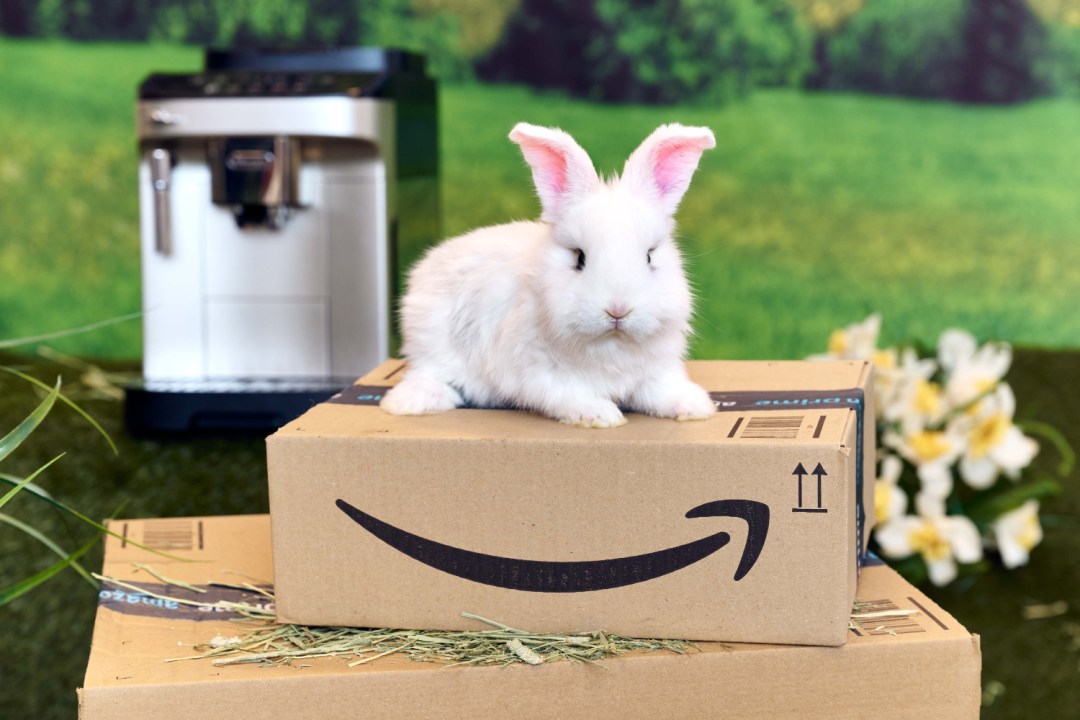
(258, 177)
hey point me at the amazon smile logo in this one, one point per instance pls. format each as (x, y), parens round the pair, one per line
(579, 576)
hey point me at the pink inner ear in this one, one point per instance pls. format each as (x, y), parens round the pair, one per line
(676, 160)
(549, 166)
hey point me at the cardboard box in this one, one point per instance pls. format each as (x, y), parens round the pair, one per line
(746, 527)
(923, 666)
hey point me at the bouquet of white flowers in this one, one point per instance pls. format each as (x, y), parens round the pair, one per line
(950, 454)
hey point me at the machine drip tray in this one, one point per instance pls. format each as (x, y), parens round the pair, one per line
(214, 407)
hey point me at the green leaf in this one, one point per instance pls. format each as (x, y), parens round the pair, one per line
(21, 431)
(25, 586)
(1056, 438)
(70, 403)
(44, 540)
(992, 504)
(26, 481)
(43, 495)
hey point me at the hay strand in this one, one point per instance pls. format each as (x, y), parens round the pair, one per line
(267, 642)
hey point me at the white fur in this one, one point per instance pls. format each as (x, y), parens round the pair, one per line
(501, 316)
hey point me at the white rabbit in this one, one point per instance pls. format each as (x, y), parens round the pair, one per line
(574, 316)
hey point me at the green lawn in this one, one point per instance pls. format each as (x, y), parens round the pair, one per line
(813, 210)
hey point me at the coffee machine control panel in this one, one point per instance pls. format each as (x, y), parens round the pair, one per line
(246, 84)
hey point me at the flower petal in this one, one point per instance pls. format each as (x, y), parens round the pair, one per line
(942, 572)
(979, 474)
(1015, 451)
(955, 346)
(1013, 555)
(993, 360)
(891, 467)
(929, 505)
(894, 537)
(1017, 532)
(935, 478)
(963, 538)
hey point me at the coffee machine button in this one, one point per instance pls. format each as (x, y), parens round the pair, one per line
(161, 116)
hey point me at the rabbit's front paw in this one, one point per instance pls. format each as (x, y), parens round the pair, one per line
(680, 400)
(420, 397)
(597, 414)
(692, 403)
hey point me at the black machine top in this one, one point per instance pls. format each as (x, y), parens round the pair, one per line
(354, 72)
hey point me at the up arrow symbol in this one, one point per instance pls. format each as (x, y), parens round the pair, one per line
(800, 471)
(819, 472)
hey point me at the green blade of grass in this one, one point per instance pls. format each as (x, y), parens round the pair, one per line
(47, 542)
(43, 495)
(21, 431)
(67, 401)
(16, 342)
(32, 488)
(24, 586)
(26, 481)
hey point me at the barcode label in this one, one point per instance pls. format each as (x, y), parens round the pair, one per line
(172, 534)
(884, 617)
(773, 427)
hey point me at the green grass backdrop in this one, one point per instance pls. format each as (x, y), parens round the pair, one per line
(813, 210)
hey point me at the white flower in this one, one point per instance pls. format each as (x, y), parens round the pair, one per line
(994, 444)
(932, 452)
(955, 347)
(904, 391)
(940, 539)
(971, 370)
(857, 341)
(890, 501)
(1017, 532)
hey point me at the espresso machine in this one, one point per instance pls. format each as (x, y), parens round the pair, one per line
(282, 195)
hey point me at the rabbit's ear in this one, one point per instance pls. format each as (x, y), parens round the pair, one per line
(663, 164)
(561, 170)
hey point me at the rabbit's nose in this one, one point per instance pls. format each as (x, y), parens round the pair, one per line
(617, 311)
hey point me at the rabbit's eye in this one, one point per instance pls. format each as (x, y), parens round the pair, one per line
(580, 260)
(648, 255)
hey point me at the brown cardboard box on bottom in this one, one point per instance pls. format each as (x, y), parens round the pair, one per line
(924, 665)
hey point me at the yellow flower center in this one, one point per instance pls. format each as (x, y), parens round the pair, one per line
(981, 387)
(838, 342)
(928, 542)
(929, 445)
(988, 434)
(882, 495)
(885, 360)
(927, 398)
(1028, 537)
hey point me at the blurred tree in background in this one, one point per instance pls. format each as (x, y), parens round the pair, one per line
(659, 51)
(973, 51)
(1006, 53)
(824, 17)
(452, 33)
(899, 47)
